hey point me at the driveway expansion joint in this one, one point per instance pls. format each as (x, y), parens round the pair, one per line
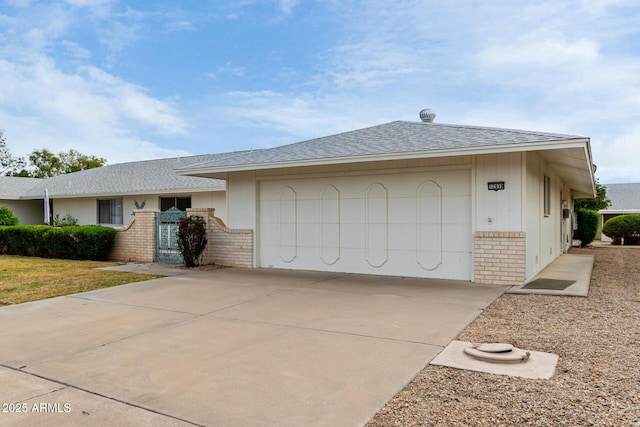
(329, 331)
(124, 402)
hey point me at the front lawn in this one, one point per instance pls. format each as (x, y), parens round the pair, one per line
(24, 279)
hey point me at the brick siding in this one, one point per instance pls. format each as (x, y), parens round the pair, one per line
(137, 242)
(226, 246)
(500, 257)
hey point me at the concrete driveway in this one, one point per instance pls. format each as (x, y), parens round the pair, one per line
(229, 347)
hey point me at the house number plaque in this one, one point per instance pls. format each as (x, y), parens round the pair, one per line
(495, 186)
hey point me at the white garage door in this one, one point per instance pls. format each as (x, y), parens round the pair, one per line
(416, 224)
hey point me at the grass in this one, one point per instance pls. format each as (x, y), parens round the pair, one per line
(24, 279)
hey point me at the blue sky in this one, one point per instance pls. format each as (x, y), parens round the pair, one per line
(134, 80)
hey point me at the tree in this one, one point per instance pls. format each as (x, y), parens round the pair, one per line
(46, 164)
(9, 165)
(74, 161)
(598, 203)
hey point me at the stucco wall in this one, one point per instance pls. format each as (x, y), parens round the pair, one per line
(28, 211)
(545, 232)
(85, 209)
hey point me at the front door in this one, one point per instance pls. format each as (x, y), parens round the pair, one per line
(167, 236)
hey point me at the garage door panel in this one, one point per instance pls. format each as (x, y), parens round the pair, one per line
(351, 210)
(309, 210)
(402, 210)
(456, 238)
(454, 183)
(455, 265)
(402, 237)
(269, 210)
(352, 235)
(309, 234)
(415, 224)
(456, 210)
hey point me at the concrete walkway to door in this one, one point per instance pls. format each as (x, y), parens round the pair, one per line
(229, 347)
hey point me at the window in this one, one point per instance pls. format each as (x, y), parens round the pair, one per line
(181, 203)
(110, 211)
(547, 196)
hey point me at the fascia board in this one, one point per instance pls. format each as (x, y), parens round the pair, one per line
(530, 146)
(620, 211)
(135, 193)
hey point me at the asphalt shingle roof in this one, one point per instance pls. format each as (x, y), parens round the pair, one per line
(624, 197)
(150, 176)
(389, 138)
(154, 176)
(14, 187)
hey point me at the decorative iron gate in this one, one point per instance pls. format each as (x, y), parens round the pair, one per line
(167, 235)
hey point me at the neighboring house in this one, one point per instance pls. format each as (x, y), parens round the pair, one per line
(108, 195)
(11, 192)
(410, 199)
(625, 199)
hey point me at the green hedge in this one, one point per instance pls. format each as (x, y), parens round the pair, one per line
(90, 242)
(625, 227)
(588, 223)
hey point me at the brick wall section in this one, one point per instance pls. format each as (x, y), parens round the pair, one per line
(226, 246)
(500, 257)
(137, 242)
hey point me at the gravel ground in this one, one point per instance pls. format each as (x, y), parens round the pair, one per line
(597, 380)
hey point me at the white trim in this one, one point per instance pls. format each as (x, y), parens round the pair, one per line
(137, 193)
(492, 149)
(374, 171)
(619, 211)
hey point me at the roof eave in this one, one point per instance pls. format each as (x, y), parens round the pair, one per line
(619, 211)
(134, 193)
(222, 171)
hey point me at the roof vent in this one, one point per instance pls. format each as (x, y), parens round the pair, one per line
(427, 116)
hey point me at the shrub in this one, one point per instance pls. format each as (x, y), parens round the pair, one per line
(66, 220)
(192, 239)
(7, 217)
(588, 223)
(621, 227)
(24, 240)
(90, 242)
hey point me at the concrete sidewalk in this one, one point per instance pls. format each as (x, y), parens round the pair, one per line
(565, 267)
(228, 347)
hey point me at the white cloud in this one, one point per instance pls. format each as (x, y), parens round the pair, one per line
(75, 50)
(287, 5)
(60, 104)
(84, 3)
(616, 157)
(45, 107)
(598, 7)
(534, 50)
